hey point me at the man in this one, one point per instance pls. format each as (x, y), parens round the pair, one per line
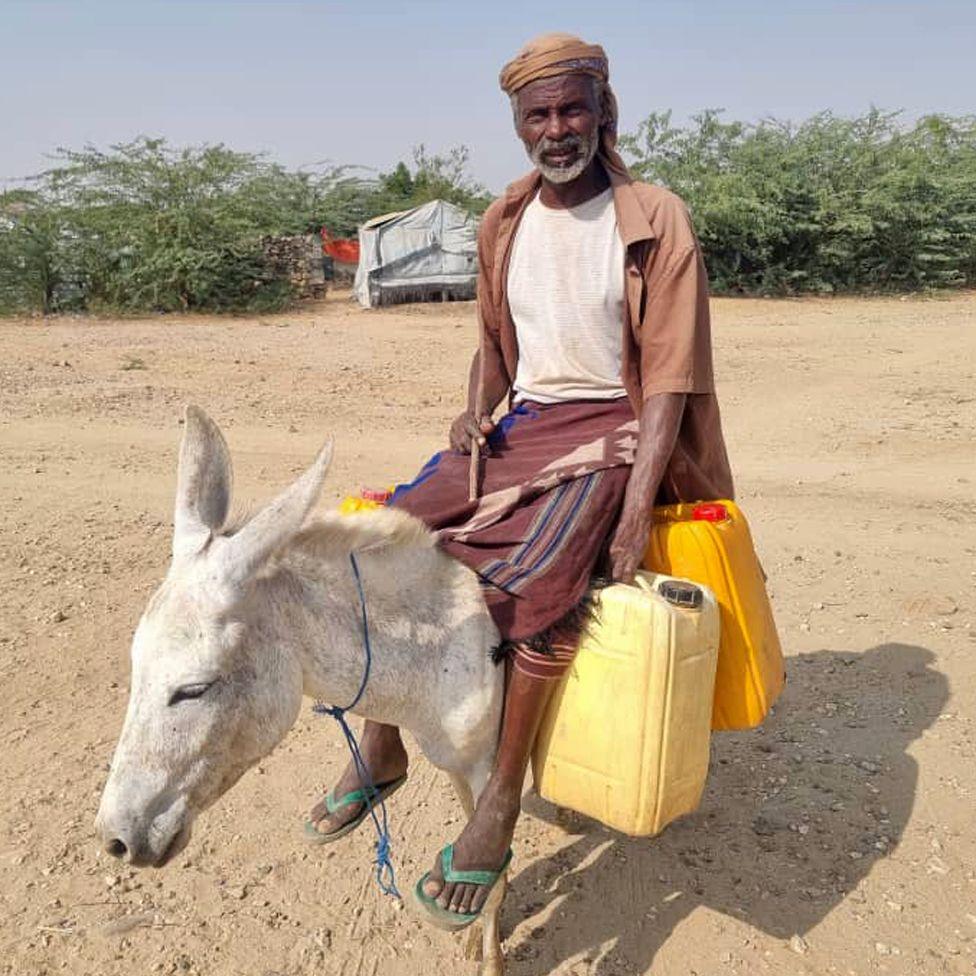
(593, 309)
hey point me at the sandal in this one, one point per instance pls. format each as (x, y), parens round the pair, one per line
(376, 794)
(444, 918)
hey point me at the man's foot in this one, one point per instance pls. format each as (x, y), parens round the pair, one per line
(482, 846)
(386, 759)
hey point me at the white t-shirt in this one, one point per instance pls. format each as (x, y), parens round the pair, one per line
(566, 295)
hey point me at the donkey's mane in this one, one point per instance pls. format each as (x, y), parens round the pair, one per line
(333, 535)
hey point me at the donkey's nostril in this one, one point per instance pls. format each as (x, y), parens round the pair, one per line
(116, 847)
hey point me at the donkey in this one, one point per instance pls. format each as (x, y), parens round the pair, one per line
(252, 616)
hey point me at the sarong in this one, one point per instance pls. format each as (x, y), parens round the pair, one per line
(552, 481)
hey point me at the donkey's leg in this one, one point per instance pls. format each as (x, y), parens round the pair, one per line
(493, 959)
(465, 793)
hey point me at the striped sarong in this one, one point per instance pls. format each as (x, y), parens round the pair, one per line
(551, 486)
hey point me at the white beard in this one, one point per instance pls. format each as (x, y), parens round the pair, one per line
(565, 174)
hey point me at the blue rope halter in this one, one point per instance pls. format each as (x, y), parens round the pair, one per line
(385, 876)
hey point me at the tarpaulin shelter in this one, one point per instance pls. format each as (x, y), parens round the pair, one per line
(424, 254)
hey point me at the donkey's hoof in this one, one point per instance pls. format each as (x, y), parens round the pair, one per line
(493, 966)
(473, 944)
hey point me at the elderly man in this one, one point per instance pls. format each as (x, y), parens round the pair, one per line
(593, 319)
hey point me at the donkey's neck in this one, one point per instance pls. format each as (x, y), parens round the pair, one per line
(419, 605)
(319, 620)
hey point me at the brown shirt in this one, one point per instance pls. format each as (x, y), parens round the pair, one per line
(666, 332)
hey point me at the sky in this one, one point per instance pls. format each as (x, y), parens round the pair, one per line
(364, 81)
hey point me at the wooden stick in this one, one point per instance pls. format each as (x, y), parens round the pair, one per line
(474, 468)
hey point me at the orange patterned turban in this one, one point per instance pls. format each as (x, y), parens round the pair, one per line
(551, 55)
(563, 54)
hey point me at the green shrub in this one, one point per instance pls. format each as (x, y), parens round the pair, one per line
(831, 204)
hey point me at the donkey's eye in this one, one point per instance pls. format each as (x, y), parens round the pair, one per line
(189, 692)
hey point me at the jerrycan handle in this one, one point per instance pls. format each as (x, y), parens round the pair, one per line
(642, 581)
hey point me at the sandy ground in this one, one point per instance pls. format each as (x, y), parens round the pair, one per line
(837, 839)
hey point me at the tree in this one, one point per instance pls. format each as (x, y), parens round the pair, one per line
(434, 177)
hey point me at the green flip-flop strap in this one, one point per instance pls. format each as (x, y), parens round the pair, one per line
(482, 878)
(354, 796)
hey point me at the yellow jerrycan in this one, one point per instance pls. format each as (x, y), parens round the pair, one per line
(625, 737)
(367, 500)
(710, 543)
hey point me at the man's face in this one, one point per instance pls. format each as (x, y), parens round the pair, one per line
(558, 120)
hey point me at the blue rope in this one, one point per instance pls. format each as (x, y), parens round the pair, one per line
(385, 876)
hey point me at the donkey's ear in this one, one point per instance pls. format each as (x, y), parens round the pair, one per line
(245, 552)
(203, 485)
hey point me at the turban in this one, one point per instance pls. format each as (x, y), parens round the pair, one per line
(563, 54)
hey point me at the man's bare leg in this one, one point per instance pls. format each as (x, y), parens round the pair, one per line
(386, 759)
(486, 838)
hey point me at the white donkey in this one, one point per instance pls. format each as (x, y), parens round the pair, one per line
(250, 618)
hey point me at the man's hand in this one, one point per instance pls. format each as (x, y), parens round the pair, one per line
(660, 420)
(629, 542)
(468, 428)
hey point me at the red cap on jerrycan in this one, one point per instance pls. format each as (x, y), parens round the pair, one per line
(710, 512)
(375, 495)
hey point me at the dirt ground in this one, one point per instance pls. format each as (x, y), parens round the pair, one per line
(838, 839)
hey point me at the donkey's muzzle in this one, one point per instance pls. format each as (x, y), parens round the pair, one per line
(140, 839)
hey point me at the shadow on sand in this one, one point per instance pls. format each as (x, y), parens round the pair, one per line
(794, 816)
